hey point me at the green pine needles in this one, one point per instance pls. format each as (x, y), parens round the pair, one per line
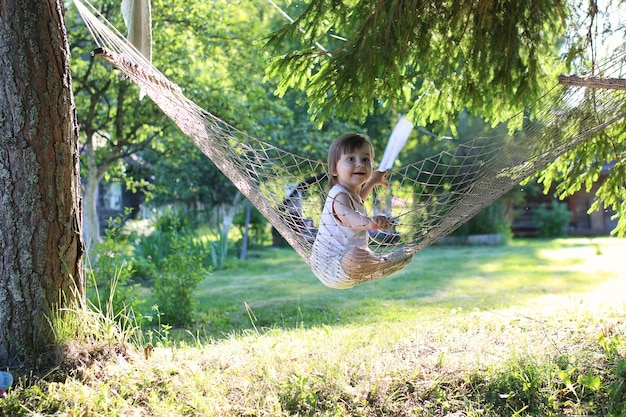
(489, 57)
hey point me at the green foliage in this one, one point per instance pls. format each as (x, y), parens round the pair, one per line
(160, 336)
(175, 259)
(258, 226)
(552, 221)
(180, 273)
(444, 56)
(151, 249)
(112, 271)
(210, 50)
(617, 390)
(614, 345)
(173, 221)
(441, 59)
(182, 174)
(490, 220)
(110, 131)
(590, 390)
(518, 388)
(602, 156)
(219, 248)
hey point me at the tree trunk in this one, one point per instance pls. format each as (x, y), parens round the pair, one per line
(40, 222)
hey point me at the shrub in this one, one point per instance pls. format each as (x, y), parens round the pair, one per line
(173, 221)
(151, 249)
(553, 221)
(180, 273)
(175, 260)
(490, 220)
(112, 272)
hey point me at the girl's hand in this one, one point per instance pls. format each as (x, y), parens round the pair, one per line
(378, 178)
(380, 222)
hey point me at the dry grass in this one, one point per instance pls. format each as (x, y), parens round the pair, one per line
(537, 358)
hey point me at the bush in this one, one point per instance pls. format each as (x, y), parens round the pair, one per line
(181, 272)
(553, 221)
(174, 259)
(151, 249)
(490, 220)
(112, 273)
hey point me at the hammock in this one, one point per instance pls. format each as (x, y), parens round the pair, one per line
(432, 197)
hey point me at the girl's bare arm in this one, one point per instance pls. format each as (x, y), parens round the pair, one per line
(348, 216)
(377, 178)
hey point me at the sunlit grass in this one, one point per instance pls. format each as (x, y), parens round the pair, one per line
(278, 287)
(534, 328)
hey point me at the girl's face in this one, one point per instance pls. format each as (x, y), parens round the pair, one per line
(354, 168)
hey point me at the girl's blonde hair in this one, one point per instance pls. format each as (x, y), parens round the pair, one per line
(346, 143)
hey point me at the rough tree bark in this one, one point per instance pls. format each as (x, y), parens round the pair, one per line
(40, 221)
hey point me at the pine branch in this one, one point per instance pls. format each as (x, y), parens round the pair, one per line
(593, 82)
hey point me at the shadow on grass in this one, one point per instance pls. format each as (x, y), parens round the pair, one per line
(277, 289)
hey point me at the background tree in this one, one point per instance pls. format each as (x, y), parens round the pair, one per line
(40, 224)
(209, 50)
(212, 51)
(115, 124)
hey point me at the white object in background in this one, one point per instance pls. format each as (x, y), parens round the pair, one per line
(137, 15)
(396, 142)
(138, 18)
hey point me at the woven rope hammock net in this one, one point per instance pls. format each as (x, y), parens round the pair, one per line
(431, 197)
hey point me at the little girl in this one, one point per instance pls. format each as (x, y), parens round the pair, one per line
(341, 257)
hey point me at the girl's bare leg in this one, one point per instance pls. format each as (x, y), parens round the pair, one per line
(365, 265)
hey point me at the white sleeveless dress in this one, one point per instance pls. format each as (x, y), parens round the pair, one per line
(333, 240)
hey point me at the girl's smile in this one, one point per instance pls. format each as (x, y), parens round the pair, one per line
(354, 168)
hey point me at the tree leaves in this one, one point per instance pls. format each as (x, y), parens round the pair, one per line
(485, 56)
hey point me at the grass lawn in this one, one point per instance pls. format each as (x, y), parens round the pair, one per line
(275, 288)
(535, 328)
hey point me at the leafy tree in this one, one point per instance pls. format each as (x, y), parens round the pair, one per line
(182, 175)
(442, 57)
(211, 51)
(581, 167)
(224, 74)
(445, 55)
(40, 245)
(114, 123)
